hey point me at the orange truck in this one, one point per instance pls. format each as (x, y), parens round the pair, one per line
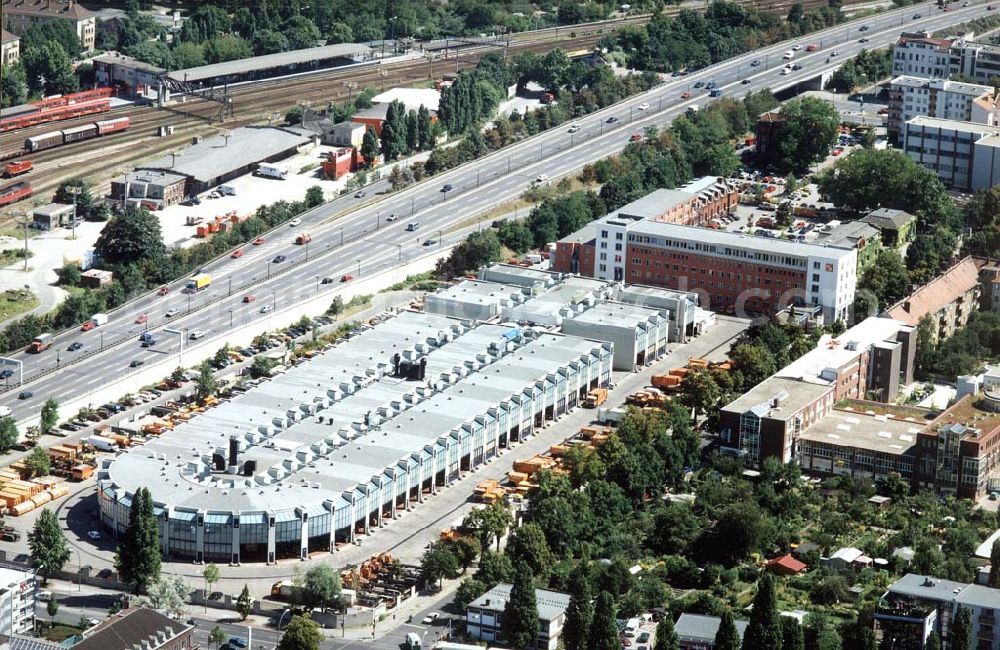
(304, 238)
(17, 167)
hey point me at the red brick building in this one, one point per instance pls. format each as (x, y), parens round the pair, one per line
(959, 452)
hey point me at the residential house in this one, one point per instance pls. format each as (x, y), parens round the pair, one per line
(20, 15)
(948, 301)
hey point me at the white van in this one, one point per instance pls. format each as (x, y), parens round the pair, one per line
(632, 628)
(413, 225)
(227, 190)
(413, 641)
(44, 596)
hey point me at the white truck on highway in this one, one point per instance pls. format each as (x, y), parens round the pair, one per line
(99, 319)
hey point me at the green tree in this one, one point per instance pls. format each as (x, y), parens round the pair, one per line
(9, 434)
(764, 630)
(370, 148)
(37, 462)
(933, 641)
(314, 197)
(48, 70)
(52, 607)
(321, 587)
(604, 629)
(300, 32)
(792, 637)
(425, 126)
(494, 567)
(168, 593)
(809, 130)
(515, 235)
(244, 604)
(132, 237)
(994, 579)
(727, 637)
(466, 549)
(302, 633)
(579, 613)
(490, 523)
(393, 141)
(261, 367)
(438, 563)
(189, 55)
(50, 415)
(519, 621)
(700, 392)
(479, 249)
(206, 384)
(527, 545)
(666, 636)
(138, 556)
(211, 575)
(227, 48)
(339, 33)
(49, 552)
(960, 634)
(13, 85)
(468, 590)
(216, 637)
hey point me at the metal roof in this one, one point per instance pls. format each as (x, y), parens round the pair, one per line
(703, 628)
(550, 603)
(281, 59)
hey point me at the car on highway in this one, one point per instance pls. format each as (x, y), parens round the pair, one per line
(788, 55)
(863, 28)
(74, 346)
(392, 217)
(796, 47)
(360, 194)
(172, 312)
(197, 334)
(237, 254)
(89, 325)
(833, 54)
(429, 242)
(7, 373)
(431, 618)
(686, 94)
(745, 82)
(990, 7)
(812, 47)
(25, 394)
(327, 281)
(710, 85)
(278, 259)
(237, 642)
(643, 106)
(295, 222)
(755, 63)
(135, 363)
(575, 128)
(916, 16)
(862, 40)
(93, 534)
(266, 309)
(141, 318)
(163, 291)
(249, 297)
(446, 187)
(699, 84)
(611, 120)
(259, 241)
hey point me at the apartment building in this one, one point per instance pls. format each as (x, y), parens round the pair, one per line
(10, 48)
(979, 61)
(911, 97)
(916, 605)
(959, 451)
(17, 601)
(948, 300)
(20, 15)
(482, 616)
(917, 54)
(964, 155)
(896, 227)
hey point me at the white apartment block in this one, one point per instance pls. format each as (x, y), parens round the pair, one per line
(17, 601)
(963, 154)
(920, 55)
(911, 97)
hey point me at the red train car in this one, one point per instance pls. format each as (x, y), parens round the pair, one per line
(15, 192)
(58, 108)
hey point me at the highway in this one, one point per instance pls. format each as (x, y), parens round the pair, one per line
(363, 240)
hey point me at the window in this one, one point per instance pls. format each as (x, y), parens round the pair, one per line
(815, 288)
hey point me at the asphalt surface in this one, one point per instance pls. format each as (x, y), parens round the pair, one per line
(364, 241)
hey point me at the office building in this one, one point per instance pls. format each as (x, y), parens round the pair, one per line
(964, 155)
(323, 452)
(482, 617)
(20, 15)
(17, 600)
(911, 97)
(948, 301)
(916, 605)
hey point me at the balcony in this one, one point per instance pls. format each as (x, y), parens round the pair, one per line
(901, 611)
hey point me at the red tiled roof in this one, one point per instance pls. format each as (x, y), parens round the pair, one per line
(938, 42)
(8, 37)
(786, 562)
(52, 8)
(936, 294)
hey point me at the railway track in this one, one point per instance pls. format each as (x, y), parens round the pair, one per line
(255, 103)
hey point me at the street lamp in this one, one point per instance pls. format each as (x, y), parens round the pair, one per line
(400, 247)
(359, 267)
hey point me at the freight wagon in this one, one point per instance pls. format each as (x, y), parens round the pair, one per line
(75, 134)
(57, 108)
(15, 192)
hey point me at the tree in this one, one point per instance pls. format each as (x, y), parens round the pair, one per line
(138, 556)
(244, 604)
(579, 613)
(666, 636)
(48, 70)
(699, 391)
(9, 434)
(37, 462)
(480, 248)
(466, 549)
(370, 148)
(438, 563)
(49, 552)
(321, 587)
(393, 141)
(300, 32)
(764, 630)
(216, 637)
(261, 367)
(50, 415)
(994, 579)
(604, 629)
(494, 567)
(170, 593)
(792, 637)
(519, 621)
(132, 237)
(960, 635)
(13, 85)
(727, 637)
(227, 48)
(52, 607)
(527, 545)
(933, 641)
(808, 131)
(490, 522)
(314, 197)
(302, 633)
(468, 590)
(211, 575)
(206, 384)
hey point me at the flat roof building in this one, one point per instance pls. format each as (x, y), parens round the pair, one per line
(149, 188)
(859, 445)
(474, 300)
(323, 452)
(53, 215)
(482, 617)
(17, 600)
(916, 605)
(697, 632)
(911, 97)
(639, 334)
(411, 98)
(964, 155)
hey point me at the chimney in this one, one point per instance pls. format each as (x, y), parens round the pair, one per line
(906, 306)
(233, 453)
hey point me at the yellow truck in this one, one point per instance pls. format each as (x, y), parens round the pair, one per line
(199, 282)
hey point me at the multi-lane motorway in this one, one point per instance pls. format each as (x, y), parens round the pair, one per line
(365, 240)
